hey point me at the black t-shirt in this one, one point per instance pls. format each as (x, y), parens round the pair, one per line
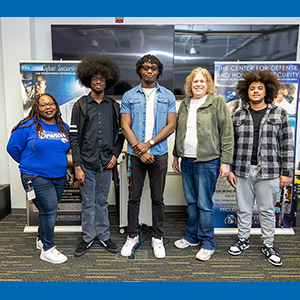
(257, 116)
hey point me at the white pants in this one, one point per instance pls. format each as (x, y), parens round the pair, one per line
(264, 192)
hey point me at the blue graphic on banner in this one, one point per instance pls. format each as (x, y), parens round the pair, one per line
(32, 67)
(57, 78)
(230, 73)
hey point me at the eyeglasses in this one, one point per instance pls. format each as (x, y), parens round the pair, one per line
(146, 68)
(44, 105)
(95, 79)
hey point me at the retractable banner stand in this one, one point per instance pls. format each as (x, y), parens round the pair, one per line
(57, 78)
(226, 77)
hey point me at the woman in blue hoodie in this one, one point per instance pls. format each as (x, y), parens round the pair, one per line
(40, 143)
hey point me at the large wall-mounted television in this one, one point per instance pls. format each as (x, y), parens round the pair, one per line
(181, 48)
(123, 43)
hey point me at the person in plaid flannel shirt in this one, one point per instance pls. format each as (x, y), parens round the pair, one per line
(263, 160)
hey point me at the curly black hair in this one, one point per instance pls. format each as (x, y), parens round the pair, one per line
(148, 58)
(269, 79)
(35, 114)
(98, 64)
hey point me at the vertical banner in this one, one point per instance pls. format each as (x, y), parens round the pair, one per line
(57, 78)
(226, 77)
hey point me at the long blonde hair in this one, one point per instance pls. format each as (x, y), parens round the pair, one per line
(189, 80)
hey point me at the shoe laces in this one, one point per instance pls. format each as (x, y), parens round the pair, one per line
(240, 242)
(130, 241)
(272, 250)
(55, 251)
(158, 243)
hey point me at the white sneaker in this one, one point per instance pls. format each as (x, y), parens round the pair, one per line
(128, 246)
(204, 254)
(53, 256)
(39, 244)
(158, 247)
(181, 244)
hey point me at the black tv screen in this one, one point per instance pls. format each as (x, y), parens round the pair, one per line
(125, 44)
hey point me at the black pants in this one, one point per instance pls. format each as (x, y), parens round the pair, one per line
(157, 172)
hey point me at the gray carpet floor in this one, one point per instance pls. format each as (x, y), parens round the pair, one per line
(20, 262)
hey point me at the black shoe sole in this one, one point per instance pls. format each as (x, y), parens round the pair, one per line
(235, 253)
(113, 250)
(79, 254)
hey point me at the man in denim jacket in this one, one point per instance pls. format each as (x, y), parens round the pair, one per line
(148, 118)
(263, 159)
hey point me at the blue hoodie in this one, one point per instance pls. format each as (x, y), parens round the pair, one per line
(47, 157)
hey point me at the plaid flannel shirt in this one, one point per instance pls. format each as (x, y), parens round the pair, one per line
(276, 147)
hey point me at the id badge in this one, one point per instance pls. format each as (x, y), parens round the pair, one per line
(30, 192)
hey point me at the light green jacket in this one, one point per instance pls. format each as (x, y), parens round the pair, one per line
(214, 130)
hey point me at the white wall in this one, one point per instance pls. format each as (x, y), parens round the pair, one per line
(4, 176)
(15, 41)
(25, 38)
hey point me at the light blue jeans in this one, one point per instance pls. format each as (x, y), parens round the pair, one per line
(199, 181)
(264, 192)
(94, 194)
(48, 192)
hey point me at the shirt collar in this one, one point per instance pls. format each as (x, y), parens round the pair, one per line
(91, 99)
(140, 89)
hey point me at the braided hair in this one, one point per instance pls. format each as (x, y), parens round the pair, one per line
(35, 114)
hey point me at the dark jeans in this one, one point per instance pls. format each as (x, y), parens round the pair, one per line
(157, 172)
(94, 192)
(48, 192)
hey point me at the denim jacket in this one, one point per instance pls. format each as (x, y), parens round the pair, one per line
(134, 103)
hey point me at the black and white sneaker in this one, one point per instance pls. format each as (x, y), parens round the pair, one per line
(272, 255)
(109, 245)
(239, 246)
(83, 247)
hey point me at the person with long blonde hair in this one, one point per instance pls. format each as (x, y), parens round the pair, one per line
(204, 142)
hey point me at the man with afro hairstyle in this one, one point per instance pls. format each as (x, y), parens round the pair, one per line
(96, 142)
(263, 159)
(148, 118)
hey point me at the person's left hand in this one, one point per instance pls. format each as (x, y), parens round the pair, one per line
(147, 158)
(285, 181)
(224, 170)
(111, 163)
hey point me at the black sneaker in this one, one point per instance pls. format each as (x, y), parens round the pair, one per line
(83, 247)
(239, 246)
(109, 245)
(272, 255)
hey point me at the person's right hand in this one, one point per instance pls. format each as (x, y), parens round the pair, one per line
(147, 158)
(79, 175)
(232, 179)
(140, 148)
